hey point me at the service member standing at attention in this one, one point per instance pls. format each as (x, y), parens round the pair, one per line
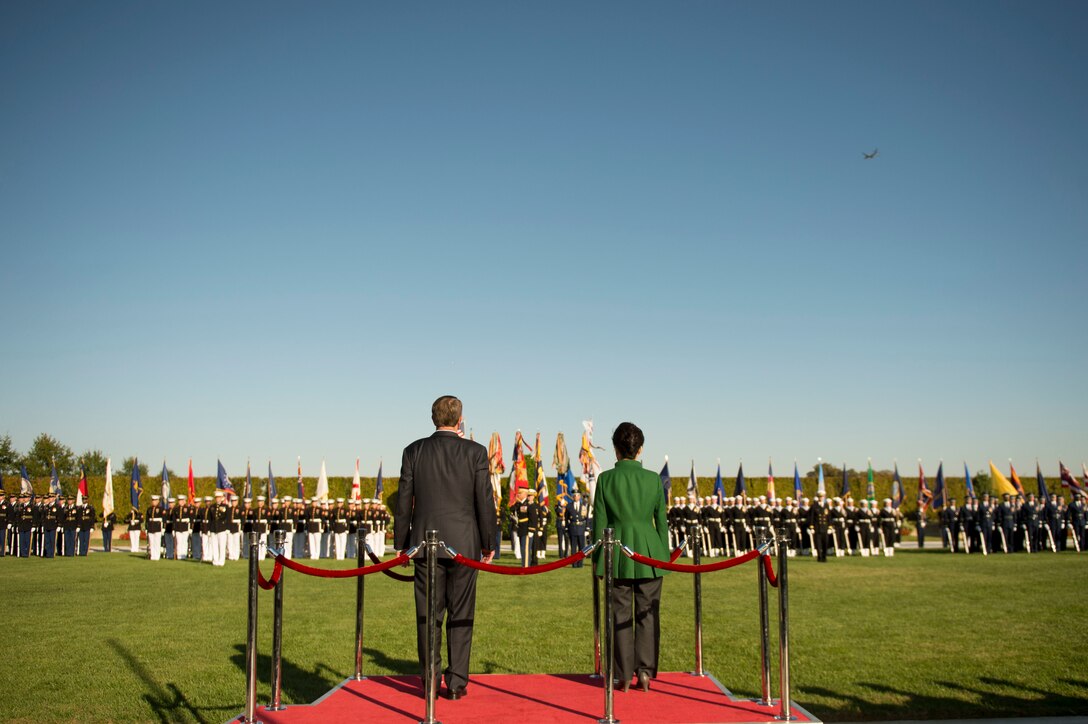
(445, 486)
(629, 499)
(135, 522)
(154, 529)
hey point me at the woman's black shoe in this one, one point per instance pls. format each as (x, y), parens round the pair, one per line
(644, 680)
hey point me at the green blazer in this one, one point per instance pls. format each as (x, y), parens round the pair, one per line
(630, 500)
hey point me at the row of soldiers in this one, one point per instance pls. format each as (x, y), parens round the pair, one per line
(1015, 524)
(528, 525)
(212, 529)
(730, 526)
(48, 525)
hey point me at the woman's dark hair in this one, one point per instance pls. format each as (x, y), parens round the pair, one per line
(627, 439)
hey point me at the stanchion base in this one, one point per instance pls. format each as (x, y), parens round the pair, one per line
(700, 674)
(360, 677)
(281, 707)
(608, 721)
(779, 717)
(765, 702)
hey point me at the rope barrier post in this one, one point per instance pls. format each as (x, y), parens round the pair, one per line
(596, 622)
(360, 546)
(251, 633)
(783, 629)
(695, 536)
(609, 552)
(764, 626)
(280, 538)
(430, 675)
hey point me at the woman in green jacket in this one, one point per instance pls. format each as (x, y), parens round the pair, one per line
(629, 499)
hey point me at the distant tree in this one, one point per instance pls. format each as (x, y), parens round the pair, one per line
(44, 450)
(94, 462)
(983, 484)
(126, 469)
(9, 456)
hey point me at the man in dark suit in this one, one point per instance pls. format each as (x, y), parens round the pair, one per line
(445, 486)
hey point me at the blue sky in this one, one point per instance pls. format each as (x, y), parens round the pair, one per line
(270, 229)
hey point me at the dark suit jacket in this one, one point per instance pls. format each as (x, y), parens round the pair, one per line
(444, 486)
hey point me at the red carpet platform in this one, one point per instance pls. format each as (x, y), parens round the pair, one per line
(531, 699)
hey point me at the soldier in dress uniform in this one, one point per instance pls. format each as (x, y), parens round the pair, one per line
(109, 520)
(88, 516)
(5, 522)
(301, 519)
(791, 524)
(199, 534)
(965, 523)
(1076, 516)
(154, 518)
(561, 525)
(986, 524)
(49, 521)
(68, 519)
(673, 516)
(339, 523)
(181, 523)
(536, 541)
(135, 522)
(577, 520)
(315, 525)
(837, 519)
(522, 521)
(887, 527)
(819, 520)
(1029, 524)
(24, 523)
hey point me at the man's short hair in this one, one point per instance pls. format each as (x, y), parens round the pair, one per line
(628, 440)
(446, 411)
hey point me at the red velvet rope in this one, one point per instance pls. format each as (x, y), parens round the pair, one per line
(395, 576)
(511, 571)
(771, 577)
(686, 568)
(269, 583)
(676, 554)
(346, 573)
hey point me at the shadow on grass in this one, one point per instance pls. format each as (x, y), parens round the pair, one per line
(167, 702)
(992, 698)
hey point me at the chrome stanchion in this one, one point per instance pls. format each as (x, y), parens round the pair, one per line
(360, 547)
(280, 539)
(251, 634)
(783, 629)
(764, 627)
(596, 622)
(430, 675)
(609, 552)
(695, 536)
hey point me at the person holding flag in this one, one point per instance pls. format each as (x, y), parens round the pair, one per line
(590, 467)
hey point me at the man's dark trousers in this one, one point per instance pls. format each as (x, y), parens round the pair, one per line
(638, 627)
(455, 589)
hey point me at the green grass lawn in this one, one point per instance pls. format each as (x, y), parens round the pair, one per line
(922, 635)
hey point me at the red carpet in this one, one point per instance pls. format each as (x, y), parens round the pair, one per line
(530, 699)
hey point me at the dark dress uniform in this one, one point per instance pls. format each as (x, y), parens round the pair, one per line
(5, 523)
(577, 519)
(819, 519)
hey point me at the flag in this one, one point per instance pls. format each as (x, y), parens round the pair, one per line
(273, 491)
(165, 500)
(2, 482)
(222, 482)
(81, 490)
(560, 459)
(719, 487)
(1001, 484)
(107, 491)
(322, 492)
(136, 486)
(496, 465)
(845, 492)
(54, 480)
(301, 489)
(25, 488)
(541, 485)
(968, 483)
(693, 486)
(798, 491)
(590, 467)
(1069, 482)
(820, 487)
(897, 489)
(564, 485)
(1043, 492)
(356, 491)
(870, 483)
(770, 481)
(666, 480)
(249, 483)
(519, 478)
(924, 494)
(1015, 480)
(190, 493)
(740, 488)
(940, 497)
(379, 489)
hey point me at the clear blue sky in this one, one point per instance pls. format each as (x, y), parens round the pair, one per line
(276, 229)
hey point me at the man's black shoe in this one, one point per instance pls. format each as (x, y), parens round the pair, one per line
(454, 694)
